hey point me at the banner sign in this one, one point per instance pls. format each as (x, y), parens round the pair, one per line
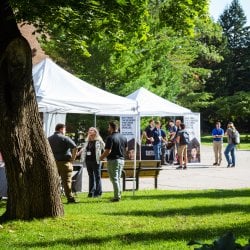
(129, 128)
(192, 123)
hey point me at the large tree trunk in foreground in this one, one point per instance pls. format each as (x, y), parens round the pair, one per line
(33, 181)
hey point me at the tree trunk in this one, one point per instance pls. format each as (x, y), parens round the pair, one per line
(33, 180)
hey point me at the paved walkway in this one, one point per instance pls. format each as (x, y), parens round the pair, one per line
(197, 176)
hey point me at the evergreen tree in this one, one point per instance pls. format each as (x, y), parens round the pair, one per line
(230, 78)
(235, 69)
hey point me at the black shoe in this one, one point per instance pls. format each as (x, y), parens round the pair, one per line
(97, 196)
(115, 199)
(71, 200)
(232, 166)
(215, 164)
(228, 166)
(185, 167)
(180, 167)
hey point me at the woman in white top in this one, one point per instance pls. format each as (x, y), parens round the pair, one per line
(90, 154)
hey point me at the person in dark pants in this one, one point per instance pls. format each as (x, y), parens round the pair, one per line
(177, 125)
(148, 132)
(90, 155)
(115, 151)
(231, 146)
(172, 135)
(64, 150)
(159, 137)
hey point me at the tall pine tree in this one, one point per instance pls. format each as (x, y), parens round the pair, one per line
(235, 69)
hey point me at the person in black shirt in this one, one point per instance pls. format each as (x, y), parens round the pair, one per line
(115, 151)
(148, 132)
(64, 150)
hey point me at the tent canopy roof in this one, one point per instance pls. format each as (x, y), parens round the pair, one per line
(149, 104)
(57, 91)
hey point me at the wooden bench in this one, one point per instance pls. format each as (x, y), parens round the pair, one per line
(144, 169)
(149, 169)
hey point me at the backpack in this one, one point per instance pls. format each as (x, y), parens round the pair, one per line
(184, 138)
(235, 137)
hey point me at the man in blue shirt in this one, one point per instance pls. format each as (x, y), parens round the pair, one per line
(159, 136)
(217, 134)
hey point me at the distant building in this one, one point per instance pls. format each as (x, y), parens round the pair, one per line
(39, 54)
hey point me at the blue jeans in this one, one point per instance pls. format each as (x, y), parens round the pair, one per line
(230, 154)
(157, 151)
(115, 168)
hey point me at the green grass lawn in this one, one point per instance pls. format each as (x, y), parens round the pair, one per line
(244, 141)
(152, 219)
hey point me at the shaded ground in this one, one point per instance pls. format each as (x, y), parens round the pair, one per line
(199, 176)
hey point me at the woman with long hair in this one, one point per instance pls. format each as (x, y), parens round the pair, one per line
(90, 154)
(231, 147)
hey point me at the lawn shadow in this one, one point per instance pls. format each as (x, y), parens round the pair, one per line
(212, 194)
(241, 230)
(191, 211)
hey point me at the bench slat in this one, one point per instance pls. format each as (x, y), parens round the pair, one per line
(144, 169)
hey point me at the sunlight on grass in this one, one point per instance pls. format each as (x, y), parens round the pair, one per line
(206, 140)
(152, 219)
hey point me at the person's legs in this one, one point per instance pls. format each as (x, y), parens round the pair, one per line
(92, 183)
(185, 156)
(233, 155)
(176, 155)
(98, 183)
(163, 155)
(215, 147)
(227, 154)
(65, 170)
(180, 155)
(220, 145)
(157, 151)
(171, 155)
(115, 169)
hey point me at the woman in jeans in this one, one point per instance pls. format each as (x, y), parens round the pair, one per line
(231, 147)
(90, 154)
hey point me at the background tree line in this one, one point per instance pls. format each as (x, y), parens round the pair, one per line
(171, 47)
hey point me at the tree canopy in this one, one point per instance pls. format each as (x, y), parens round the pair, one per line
(171, 47)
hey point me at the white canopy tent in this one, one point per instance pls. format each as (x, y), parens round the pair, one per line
(58, 92)
(149, 104)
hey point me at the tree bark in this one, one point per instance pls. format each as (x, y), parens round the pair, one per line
(33, 180)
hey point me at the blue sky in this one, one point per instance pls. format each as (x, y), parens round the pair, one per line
(218, 6)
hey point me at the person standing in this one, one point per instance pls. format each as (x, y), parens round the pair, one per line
(148, 132)
(115, 151)
(231, 147)
(217, 134)
(178, 128)
(159, 136)
(172, 132)
(90, 155)
(182, 146)
(64, 150)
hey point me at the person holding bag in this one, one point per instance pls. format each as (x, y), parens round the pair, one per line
(231, 146)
